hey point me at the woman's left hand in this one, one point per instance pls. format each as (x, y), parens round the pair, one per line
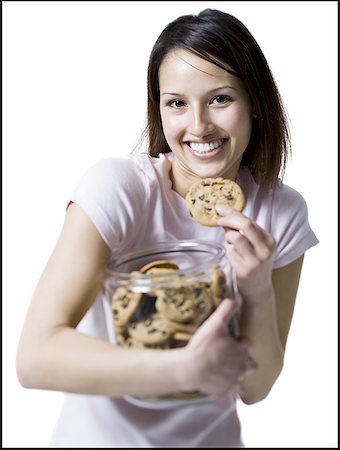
(250, 252)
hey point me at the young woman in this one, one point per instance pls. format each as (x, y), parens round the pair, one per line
(213, 111)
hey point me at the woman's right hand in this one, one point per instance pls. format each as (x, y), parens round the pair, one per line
(217, 360)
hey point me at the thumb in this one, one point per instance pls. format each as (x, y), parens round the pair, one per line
(218, 320)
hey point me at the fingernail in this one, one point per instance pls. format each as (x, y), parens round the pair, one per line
(223, 208)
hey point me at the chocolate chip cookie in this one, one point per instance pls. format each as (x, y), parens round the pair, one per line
(219, 286)
(159, 264)
(186, 303)
(204, 195)
(124, 304)
(153, 330)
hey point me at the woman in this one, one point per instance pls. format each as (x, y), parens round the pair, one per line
(213, 110)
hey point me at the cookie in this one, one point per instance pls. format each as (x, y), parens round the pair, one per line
(135, 343)
(182, 337)
(219, 286)
(124, 304)
(179, 327)
(204, 195)
(186, 303)
(159, 264)
(162, 275)
(151, 331)
(168, 315)
(186, 395)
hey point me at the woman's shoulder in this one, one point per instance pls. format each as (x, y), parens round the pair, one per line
(132, 164)
(282, 196)
(110, 165)
(283, 212)
(114, 171)
(128, 177)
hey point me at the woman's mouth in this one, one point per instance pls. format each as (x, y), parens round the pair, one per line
(205, 148)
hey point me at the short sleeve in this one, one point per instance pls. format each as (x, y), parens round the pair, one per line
(290, 226)
(113, 193)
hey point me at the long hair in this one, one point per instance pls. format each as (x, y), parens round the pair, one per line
(223, 40)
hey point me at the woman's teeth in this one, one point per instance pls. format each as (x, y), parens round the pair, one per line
(205, 148)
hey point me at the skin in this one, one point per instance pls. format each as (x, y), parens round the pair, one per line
(199, 103)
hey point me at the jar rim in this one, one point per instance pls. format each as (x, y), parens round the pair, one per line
(214, 253)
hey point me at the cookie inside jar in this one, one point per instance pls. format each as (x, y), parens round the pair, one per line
(157, 296)
(167, 315)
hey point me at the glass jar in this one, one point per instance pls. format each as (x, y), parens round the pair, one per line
(157, 297)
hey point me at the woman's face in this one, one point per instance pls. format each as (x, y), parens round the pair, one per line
(206, 116)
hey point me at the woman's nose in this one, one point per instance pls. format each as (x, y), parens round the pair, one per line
(200, 122)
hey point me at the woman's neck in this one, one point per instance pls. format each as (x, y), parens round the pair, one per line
(182, 178)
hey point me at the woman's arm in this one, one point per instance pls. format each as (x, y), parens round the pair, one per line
(267, 325)
(52, 354)
(268, 298)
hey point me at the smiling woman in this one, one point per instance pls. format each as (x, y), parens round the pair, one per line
(214, 111)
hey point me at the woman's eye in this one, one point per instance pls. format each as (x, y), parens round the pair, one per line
(221, 99)
(177, 103)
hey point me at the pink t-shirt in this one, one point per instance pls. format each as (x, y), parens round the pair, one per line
(132, 204)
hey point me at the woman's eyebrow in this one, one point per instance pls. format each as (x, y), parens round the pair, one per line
(228, 86)
(170, 93)
(208, 92)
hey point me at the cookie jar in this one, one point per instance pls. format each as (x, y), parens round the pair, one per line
(157, 296)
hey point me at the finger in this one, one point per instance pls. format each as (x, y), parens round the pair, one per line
(238, 262)
(251, 367)
(242, 260)
(239, 242)
(226, 211)
(216, 322)
(262, 241)
(230, 218)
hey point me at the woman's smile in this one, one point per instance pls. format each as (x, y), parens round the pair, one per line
(206, 150)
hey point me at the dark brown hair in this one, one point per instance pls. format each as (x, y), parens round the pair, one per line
(223, 40)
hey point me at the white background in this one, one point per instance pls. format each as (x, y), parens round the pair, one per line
(74, 91)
